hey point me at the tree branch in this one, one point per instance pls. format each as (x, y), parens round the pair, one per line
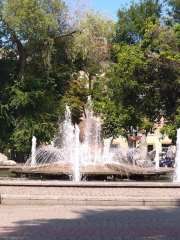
(67, 34)
(18, 43)
(56, 38)
(29, 40)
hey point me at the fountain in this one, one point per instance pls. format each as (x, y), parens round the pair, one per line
(157, 159)
(33, 151)
(78, 152)
(176, 177)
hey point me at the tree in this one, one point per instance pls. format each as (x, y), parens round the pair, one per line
(144, 84)
(30, 30)
(118, 113)
(131, 22)
(8, 63)
(33, 26)
(174, 10)
(41, 45)
(92, 45)
(75, 97)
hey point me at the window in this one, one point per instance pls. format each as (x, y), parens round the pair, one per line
(165, 146)
(150, 147)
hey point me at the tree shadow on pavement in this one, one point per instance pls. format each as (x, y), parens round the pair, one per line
(85, 223)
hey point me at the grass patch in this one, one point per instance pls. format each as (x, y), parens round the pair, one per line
(7, 173)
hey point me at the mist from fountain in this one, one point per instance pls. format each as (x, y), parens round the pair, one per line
(157, 159)
(76, 174)
(71, 156)
(33, 152)
(176, 177)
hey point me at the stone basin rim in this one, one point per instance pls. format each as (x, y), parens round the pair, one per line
(95, 184)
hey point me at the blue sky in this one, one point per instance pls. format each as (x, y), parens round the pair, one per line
(111, 6)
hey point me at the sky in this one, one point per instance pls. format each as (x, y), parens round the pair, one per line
(110, 6)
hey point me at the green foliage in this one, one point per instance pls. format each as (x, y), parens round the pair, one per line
(30, 19)
(35, 102)
(75, 98)
(173, 123)
(131, 22)
(7, 66)
(32, 72)
(40, 61)
(96, 30)
(143, 86)
(39, 55)
(174, 10)
(146, 125)
(92, 45)
(103, 107)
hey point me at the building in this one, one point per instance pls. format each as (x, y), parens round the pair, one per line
(154, 139)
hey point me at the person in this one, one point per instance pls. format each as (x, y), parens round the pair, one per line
(164, 153)
(174, 152)
(170, 153)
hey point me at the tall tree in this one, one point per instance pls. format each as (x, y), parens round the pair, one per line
(144, 84)
(92, 45)
(31, 29)
(131, 21)
(45, 49)
(32, 26)
(174, 10)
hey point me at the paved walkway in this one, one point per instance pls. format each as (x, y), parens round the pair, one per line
(75, 222)
(88, 194)
(89, 223)
(94, 191)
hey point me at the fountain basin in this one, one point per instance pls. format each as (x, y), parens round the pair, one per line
(94, 172)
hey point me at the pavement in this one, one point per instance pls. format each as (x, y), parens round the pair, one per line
(89, 223)
(55, 210)
(29, 192)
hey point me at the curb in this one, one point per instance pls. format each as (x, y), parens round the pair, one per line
(34, 183)
(87, 201)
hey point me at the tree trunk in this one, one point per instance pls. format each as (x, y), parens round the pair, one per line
(90, 83)
(22, 66)
(13, 154)
(128, 141)
(112, 140)
(1, 150)
(84, 112)
(20, 157)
